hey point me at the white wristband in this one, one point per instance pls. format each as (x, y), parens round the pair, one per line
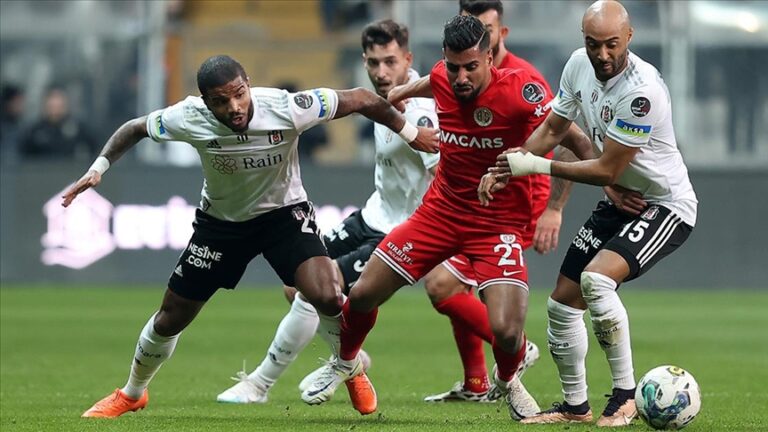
(409, 132)
(100, 165)
(523, 164)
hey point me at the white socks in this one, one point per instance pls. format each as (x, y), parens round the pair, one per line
(330, 330)
(151, 351)
(567, 337)
(611, 326)
(293, 334)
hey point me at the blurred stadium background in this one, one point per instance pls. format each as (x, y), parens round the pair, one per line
(97, 64)
(114, 60)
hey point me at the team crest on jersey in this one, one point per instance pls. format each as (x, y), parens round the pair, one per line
(508, 238)
(533, 93)
(483, 116)
(606, 113)
(651, 213)
(275, 137)
(640, 106)
(298, 213)
(303, 100)
(593, 99)
(425, 122)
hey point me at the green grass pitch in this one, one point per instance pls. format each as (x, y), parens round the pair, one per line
(63, 348)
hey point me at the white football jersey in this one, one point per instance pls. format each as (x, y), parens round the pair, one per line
(634, 109)
(402, 174)
(250, 173)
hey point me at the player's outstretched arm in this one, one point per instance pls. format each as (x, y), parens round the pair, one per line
(376, 108)
(419, 88)
(123, 139)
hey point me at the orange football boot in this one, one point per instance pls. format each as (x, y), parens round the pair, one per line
(362, 394)
(116, 404)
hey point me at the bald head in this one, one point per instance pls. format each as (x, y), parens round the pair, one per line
(607, 33)
(605, 15)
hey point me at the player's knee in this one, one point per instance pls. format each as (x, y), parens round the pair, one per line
(290, 293)
(591, 288)
(326, 301)
(440, 285)
(509, 338)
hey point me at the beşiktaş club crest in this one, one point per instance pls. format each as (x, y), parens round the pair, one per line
(606, 113)
(275, 137)
(533, 93)
(650, 214)
(483, 116)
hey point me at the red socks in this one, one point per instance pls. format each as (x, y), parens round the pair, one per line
(469, 319)
(354, 328)
(507, 363)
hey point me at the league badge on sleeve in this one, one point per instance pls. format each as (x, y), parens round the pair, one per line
(640, 106)
(303, 100)
(533, 93)
(425, 121)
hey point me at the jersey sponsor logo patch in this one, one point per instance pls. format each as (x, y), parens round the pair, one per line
(425, 121)
(650, 214)
(471, 141)
(483, 116)
(224, 164)
(275, 137)
(324, 107)
(533, 92)
(640, 106)
(632, 129)
(303, 100)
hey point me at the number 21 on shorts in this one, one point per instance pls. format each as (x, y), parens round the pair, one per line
(510, 250)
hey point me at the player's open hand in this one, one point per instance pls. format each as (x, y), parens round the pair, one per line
(489, 184)
(626, 201)
(91, 179)
(427, 140)
(547, 231)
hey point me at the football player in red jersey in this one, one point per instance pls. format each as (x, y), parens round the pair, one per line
(450, 285)
(482, 111)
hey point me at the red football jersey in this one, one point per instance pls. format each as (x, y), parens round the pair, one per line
(540, 184)
(472, 134)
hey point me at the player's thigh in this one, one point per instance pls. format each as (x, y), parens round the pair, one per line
(376, 285)
(215, 257)
(294, 239)
(419, 244)
(642, 242)
(453, 276)
(603, 224)
(352, 262)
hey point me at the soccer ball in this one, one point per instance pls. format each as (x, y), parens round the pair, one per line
(668, 397)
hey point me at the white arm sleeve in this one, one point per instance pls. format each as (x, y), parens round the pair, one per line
(566, 103)
(636, 115)
(167, 124)
(311, 107)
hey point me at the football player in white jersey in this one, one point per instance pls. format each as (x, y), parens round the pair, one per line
(401, 177)
(253, 201)
(623, 104)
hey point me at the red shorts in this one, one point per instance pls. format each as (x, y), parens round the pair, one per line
(461, 267)
(428, 238)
